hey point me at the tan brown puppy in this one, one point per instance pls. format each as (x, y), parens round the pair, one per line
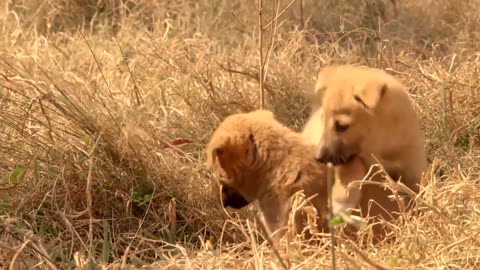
(366, 113)
(256, 158)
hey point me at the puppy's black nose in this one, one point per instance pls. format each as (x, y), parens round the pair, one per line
(231, 198)
(323, 155)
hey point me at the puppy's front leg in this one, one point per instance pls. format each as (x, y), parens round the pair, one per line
(344, 197)
(275, 213)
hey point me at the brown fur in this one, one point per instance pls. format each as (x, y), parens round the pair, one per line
(256, 158)
(359, 112)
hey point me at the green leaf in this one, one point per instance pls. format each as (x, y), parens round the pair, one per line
(16, 174)
(85, 140)
(136, 196)
(106, 249)
(147, 197)
(36, 173)
(140, 197)
(336, 220)
(393, 262)
(4, 205)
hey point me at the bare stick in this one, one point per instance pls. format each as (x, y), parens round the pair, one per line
(17, 253)
(269, 240)
(260, 51)
(273, 32)
(172, 215)
(279, 14)
(363, 256)
(302, 20)
(264, 60)
(136, 88)
(330, 209)
(88, 194)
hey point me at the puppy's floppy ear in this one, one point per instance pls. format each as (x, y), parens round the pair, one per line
(216, 151)
(320, 86)
(319, 89)
(370, 96)
(229, 152)
(315, 96)
(211, 156)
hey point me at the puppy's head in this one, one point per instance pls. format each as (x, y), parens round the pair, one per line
(233, 157)
(350, 98)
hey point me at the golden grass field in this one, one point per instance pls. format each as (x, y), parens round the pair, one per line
(93, 94)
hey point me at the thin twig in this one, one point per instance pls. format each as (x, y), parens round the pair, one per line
(88, 193)
(302, 20)
(260, 51)
(273, 32)
(270, 242)
(330, 209)
(99, 67)
(137, 232)
(17, 253)
(363, 256)
(279, 14)
(20, 236)
(136, 88)
(249, 74)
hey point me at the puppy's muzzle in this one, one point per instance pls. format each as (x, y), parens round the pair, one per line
(333, 154)
(231, 198)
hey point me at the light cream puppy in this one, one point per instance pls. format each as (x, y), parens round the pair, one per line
(256, 158)
(366, 113)
(342, 199)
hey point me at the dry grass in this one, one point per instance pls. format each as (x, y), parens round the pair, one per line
(92, 99)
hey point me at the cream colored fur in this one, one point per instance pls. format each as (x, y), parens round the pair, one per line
(366, 113)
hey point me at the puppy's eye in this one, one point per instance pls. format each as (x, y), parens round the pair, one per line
(339, 127)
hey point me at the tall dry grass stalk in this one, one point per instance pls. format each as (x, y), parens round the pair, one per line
(106, 107)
